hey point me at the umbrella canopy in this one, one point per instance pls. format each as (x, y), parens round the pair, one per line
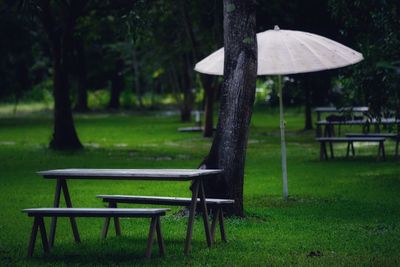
(288, 52)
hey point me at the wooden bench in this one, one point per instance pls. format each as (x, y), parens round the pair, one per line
(349, 141)
(395, 137)
(215, 204)
(39, 213)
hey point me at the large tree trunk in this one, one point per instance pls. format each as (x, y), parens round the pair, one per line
(80, 62)
(64, 134)
(228, 151)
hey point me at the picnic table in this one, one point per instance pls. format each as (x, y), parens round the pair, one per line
(330, 124)
(196, 176)
(320, 110)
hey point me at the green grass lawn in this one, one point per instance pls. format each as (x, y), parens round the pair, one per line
(347, 209)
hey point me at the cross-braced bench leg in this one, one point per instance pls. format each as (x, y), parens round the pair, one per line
(38, 223)
(155, 227)
(381, 151)
(106, 224)
(218, 217)
(331, 149)
(323, 151)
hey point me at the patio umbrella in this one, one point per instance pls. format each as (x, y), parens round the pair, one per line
(282, 52)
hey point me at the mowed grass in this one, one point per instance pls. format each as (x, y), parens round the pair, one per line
(346, 211)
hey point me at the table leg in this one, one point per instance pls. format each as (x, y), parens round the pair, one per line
(195, 191)
(69, 205)
(205, 214)
(56, 204)
(32, 240)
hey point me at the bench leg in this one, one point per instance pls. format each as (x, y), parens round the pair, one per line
(352, 149)
(331, 149)
(348, 149)
(69, 205)
(205, 214)
(160, 240)
(43, 234)
(216, 212)
(56, 204)
(222, 226)
(195, 191)
(106, 225)
(321, 151)
(32, 240)
(117, 225)
(381, 151)
(150, 238)
(107, 220)
(396, 151)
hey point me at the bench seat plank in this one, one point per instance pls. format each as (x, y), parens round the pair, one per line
(173, 201)
(350, 139)
(386, 135)
(95, 212)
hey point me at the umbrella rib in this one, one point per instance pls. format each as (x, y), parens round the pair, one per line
(330, 49)
(290, 53)
(311, 50)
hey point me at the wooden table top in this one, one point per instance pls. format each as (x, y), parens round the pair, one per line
(334, 109)
(130, 174)
(359, 122)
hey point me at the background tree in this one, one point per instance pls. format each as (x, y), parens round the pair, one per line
(373, 29)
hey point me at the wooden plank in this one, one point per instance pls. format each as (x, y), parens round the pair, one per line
(32, 240)
(150, 239)
(350, 139)
(68, 203)
(56, 204)
(334, 109)
(386, 135)
(95, 212)
(130, 174)
(160, 239)
(205, 215)
(156, 200)
(43, 234)
(192, 209)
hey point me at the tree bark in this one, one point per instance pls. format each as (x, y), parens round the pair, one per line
(228, 151)
(64, 134)
(80, 61)
(209, 95)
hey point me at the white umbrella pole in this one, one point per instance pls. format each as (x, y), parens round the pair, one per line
(283, 144)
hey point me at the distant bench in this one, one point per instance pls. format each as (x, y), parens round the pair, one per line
(393, 136)
(215, 204)
(39, 213)
(349, 141)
